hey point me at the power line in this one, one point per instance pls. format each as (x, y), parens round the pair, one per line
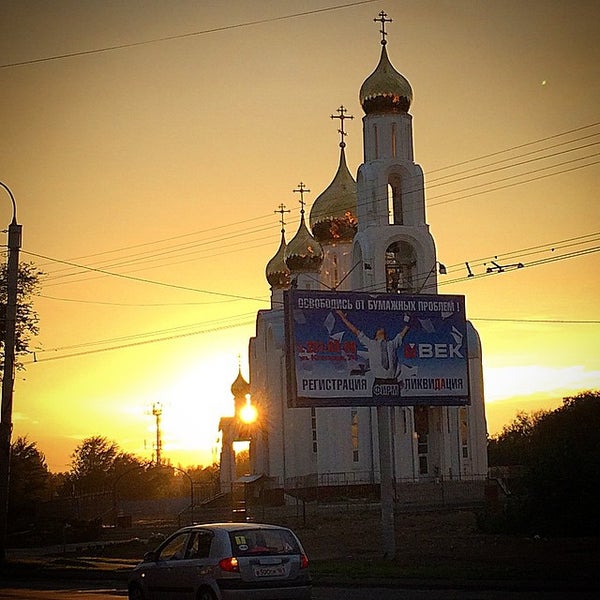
(153, 257)
(150, 281)
(245, 232)
(248, 322)
(184, 35)
(133, 344)
(534, 321)
(518, 147)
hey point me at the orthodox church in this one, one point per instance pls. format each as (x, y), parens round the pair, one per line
(363, 234)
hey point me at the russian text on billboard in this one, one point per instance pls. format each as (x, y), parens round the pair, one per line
(359, 349)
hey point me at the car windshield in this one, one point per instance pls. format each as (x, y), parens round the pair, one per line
(263, 541)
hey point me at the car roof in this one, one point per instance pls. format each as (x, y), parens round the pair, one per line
(232, 526)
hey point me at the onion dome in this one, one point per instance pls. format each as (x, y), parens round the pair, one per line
(333, 215)
(240, 387)
(277, 272)
(303, 254)
(385, 90)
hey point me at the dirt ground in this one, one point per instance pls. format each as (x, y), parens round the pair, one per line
(446, 545)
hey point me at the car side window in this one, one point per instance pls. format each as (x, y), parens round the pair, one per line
(199, 546)
(174, 549)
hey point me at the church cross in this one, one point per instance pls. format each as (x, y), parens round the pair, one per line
(342, 117)
(281, 211)
(382, 19)
(301, 190)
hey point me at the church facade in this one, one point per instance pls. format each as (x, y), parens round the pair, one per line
(363, 234)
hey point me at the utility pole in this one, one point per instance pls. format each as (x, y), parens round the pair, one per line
(8, 373)
(157, 413)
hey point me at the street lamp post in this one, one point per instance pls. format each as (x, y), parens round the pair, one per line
(8, 373)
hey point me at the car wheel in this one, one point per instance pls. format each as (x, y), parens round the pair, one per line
(135, 593)
(206, 594)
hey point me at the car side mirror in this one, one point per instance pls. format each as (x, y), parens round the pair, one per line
(150, 556)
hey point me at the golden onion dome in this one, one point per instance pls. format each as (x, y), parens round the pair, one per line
(385, 90)
(303, 254)
(333, 215)
(240, 387)
(277, 272)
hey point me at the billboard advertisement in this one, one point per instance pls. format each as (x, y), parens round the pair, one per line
(362, 349)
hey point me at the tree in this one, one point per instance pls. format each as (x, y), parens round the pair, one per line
(560, 451)
(92, 466)
(29, 480)
(564, 467)
(512, 446)
(26, 326)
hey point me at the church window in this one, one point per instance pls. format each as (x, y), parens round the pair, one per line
(376, 140)
(395, 204)
(313, 427)
(422, 431)
(354, 435)
(394, 140)
(336, 280)
(464, 432)
(400, 263)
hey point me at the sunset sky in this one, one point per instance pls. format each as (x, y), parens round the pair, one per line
(148, 143)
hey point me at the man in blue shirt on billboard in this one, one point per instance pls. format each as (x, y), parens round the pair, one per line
(383, 356)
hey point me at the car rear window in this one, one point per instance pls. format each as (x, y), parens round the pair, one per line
(263, 541)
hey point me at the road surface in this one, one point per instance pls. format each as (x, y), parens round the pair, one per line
(72, 591)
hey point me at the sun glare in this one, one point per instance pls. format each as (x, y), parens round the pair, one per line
(248, 413)
(191, 409)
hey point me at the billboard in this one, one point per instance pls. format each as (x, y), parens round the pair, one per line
(362, 349)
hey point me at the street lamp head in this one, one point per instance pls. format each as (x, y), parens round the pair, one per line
(12, 199)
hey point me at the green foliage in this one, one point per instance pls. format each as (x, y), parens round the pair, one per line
(513, 445)
(93, 464)
(27, 323)
(29, 480)
(98, 465)
(560, 451)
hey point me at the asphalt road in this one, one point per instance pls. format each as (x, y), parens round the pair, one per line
(72, 591)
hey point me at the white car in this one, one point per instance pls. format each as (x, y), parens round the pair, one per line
(224, 561)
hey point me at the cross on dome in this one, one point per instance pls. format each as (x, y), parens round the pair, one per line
(301, 190)
(382, 19)
(281, 211)
(342, 117)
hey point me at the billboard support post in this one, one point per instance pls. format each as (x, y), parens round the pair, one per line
(376, 349)
(388, 537)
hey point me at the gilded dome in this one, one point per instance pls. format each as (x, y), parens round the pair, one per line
(240, 387)
(385, 90)
(333, 215)
(303, 254)
(277, 272)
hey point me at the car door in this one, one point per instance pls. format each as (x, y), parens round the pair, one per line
(197, 568)
(164, 577)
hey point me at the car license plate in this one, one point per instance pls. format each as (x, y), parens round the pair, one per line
(269, 571)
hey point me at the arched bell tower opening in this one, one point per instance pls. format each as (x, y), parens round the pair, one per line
(400, 268)
(395, 205)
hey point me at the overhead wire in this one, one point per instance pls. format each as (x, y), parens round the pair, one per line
(152, 254)
(138, 342)
(183, 35)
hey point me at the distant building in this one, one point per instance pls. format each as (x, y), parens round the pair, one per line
(364, 234)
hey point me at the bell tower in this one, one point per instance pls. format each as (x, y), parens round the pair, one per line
(393, 245)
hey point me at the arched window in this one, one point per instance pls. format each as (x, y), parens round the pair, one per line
(400, 263)
(376, 140)
(334, 264)
(395, 207)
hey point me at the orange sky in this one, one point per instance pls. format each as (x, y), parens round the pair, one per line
(163, 162)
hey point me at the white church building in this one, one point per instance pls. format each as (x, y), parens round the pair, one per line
(363, 234)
